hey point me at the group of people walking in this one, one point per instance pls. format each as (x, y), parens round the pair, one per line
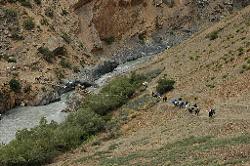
(191, 108)
(180, 103)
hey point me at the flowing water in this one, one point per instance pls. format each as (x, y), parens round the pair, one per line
(28, 117)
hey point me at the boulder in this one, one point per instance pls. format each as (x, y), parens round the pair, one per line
(56, 45)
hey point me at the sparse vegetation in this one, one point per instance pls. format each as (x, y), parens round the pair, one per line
(15, 33)
(25, 3)
(59, 73)
(109, 40)
(15, 85)
(65, 64)
(29, 24)
(213, 35)
(199, 150)
(10, 14)
(44, 21)
(46, 54)
(241, 51)
(66, 37)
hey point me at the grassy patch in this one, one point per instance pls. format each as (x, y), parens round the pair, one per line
(188, 151)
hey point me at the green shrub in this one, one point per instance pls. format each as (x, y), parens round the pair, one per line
(15, 85)
(165, 85)
(113, 95)
(29, 24)
(213, 35)
(46, 54)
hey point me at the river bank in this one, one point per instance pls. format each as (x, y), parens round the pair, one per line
(49, 92)
(93, 77)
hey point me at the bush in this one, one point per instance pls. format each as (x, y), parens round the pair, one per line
(15, 85)
(213, 35)
(113, 95)
(29, 24)
(46, 54)
(165, 85)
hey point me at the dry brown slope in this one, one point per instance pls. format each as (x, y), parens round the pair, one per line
(210, 71)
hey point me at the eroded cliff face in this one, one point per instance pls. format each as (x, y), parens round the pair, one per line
(119, 19)
(102, 20)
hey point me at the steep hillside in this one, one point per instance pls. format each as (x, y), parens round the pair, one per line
(38, 48)
(210, 69)
(103, 22)
(44, 42)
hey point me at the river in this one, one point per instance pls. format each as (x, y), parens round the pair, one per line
(28, 117)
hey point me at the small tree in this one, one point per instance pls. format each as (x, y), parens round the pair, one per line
(15, 85)
(165, 85)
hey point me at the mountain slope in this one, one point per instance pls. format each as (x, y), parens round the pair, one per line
(210, 69)
(46, 43)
